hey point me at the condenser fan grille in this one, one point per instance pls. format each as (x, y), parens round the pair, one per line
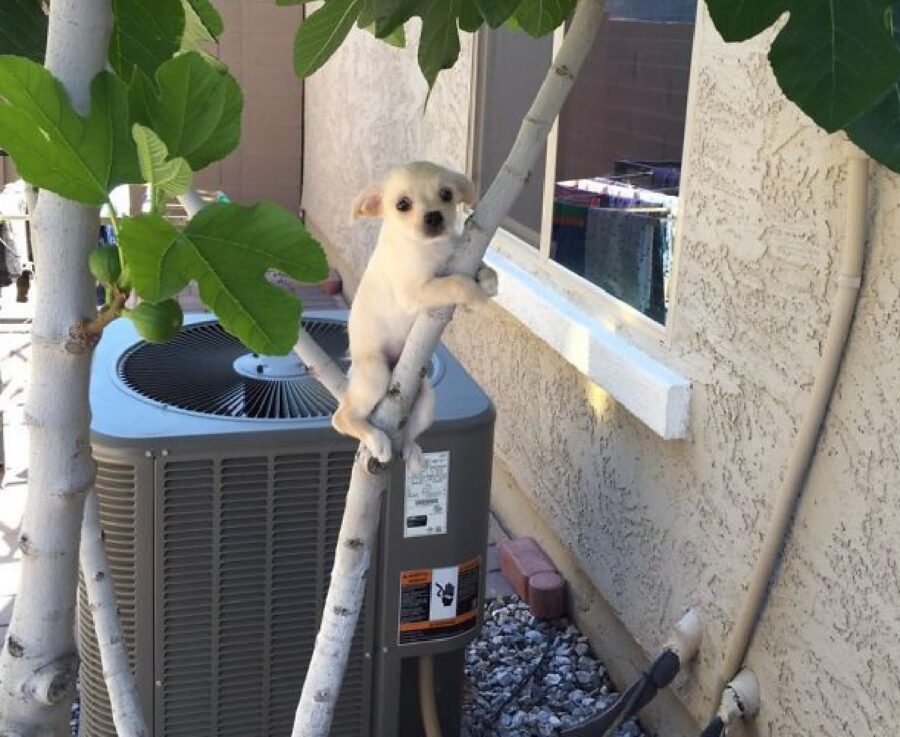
(205, 370)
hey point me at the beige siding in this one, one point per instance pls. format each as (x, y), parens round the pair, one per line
(257, 46)
(659, 526)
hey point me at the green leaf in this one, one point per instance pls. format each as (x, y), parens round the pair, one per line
(396, 38)
(540, 17)
(226, 135)
(144, 35)
(193, 107)
(155, 257)
(835, 59)
(439, 41)
(470, 19)
(196, 36)
(738, 20)
(877, 132)
(209, 17)
(81, 158)
(170, 175)
(320, 35)
(227, 249)
(389, 14)
(497, 12)
(23, 29)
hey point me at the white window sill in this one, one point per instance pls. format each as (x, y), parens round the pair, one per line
(652, 392)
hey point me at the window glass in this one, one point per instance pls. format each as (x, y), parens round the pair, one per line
(618, 159)
(513, 67)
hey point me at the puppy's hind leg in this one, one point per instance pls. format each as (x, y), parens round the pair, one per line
(420, 418)
(369, 378)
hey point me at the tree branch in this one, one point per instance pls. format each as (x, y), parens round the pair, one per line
(323, 681)
(127, 713)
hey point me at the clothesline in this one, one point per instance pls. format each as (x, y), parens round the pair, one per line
(602, 185)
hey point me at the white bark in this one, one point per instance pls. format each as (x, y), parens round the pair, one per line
(101, 593)
(39, 660)
(326, 670)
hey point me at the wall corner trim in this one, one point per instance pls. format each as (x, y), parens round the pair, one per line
(651, 391)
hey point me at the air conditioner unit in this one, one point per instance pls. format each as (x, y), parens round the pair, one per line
(221, 486)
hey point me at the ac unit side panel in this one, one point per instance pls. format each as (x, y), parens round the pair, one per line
(242, 558)
(463, 541)
(123, 484)
(455, 551)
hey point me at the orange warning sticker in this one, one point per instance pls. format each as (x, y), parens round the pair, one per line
(437, 603)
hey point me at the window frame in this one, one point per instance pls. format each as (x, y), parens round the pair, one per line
(607, 330)
(509, 241)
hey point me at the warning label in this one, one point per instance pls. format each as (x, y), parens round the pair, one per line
(436, 603)
(425, 501)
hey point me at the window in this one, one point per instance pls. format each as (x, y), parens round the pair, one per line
(603, 202)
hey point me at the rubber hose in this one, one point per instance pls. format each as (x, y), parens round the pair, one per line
(715, 728)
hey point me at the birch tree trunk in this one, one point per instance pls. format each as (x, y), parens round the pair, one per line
(361, 517)
(39, 660)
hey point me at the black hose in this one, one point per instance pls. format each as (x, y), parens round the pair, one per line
(516, 690)
(716, 728)
(660, 674)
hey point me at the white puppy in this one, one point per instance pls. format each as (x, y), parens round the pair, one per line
(419, 204)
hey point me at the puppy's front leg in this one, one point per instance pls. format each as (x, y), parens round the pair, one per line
(442, 291)
(369, 379)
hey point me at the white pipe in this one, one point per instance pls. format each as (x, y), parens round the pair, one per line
(687, 635)
(848, 284)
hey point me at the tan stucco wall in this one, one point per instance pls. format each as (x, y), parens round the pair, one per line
(659, 526)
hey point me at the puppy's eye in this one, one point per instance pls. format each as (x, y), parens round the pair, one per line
(404, 204)
(446, 194)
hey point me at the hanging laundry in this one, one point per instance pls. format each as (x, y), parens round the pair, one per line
(619, 254)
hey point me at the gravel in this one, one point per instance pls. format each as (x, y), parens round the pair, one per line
(530, 678)
(526, 677)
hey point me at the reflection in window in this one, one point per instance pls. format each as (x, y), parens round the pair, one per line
(618, 157)
(513, 65)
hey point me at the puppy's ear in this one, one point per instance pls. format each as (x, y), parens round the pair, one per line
(367, 203)
(465, 187)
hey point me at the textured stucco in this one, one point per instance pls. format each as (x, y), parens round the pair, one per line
(660, 526)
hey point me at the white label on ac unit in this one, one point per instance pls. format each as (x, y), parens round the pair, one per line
(425, 508)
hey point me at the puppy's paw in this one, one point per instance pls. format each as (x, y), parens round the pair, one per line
(412, 455)
(473, 295)
(379, 446)
(486, 278)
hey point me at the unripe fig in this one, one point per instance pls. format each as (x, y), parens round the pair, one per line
(105, 265)
(156, 323)
(124, 280)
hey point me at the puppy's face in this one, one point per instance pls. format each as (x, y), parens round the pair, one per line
(420, 198)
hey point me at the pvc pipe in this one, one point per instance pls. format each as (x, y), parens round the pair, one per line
(848, 281)
(740, 700)
(427, 698)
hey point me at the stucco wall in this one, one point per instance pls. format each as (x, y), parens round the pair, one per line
(660, 526)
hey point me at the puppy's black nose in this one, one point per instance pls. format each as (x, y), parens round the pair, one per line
(434, 219)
